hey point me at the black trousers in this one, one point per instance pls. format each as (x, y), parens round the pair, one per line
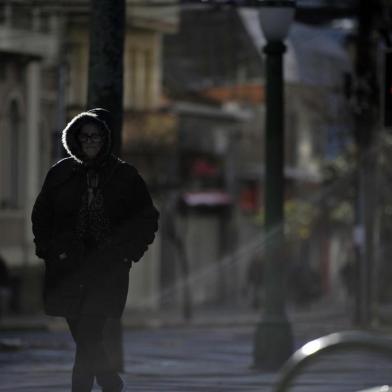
(91, 360)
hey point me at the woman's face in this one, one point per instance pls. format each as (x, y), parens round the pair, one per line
(91, 140)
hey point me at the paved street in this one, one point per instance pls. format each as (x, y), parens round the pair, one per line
(189, 358)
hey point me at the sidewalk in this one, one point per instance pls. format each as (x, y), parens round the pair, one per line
(337, 317)
(323, 317)
(213, 353)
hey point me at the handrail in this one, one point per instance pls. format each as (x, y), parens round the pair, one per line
(325, 344)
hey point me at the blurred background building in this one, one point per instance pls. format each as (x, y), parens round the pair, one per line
(194, 103)
(44, 58)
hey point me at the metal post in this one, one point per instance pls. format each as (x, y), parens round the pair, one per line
(273, 338)
(367, 97)
(105, 90)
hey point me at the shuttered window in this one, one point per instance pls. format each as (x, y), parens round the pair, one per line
(10, 170)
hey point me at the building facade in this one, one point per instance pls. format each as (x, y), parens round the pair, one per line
(44, 49)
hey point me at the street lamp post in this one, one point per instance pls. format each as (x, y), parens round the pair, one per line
(273, 338)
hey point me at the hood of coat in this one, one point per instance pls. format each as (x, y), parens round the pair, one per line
(70, 137)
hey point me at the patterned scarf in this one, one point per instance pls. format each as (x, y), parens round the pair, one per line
(93, 226)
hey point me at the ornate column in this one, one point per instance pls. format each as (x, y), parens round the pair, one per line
(32, 175)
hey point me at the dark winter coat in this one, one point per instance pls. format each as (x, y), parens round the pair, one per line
(91, 279)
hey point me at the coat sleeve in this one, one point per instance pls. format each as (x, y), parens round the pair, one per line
(138, 230)
(42, 220)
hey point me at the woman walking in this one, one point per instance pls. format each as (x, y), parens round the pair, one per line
(92, 219)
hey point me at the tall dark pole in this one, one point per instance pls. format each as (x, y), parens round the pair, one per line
(273, 339)
(366, 116)
(105, 74)
(105, 90)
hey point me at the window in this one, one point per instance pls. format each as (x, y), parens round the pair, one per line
(139, 78)
(22, 17)
(3, 71)
(10, 159)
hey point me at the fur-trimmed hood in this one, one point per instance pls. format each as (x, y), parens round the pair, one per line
(70, 132)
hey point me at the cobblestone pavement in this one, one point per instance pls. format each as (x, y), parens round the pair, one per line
(201, 358)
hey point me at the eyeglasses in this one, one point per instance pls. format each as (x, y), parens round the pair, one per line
(94, 137)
